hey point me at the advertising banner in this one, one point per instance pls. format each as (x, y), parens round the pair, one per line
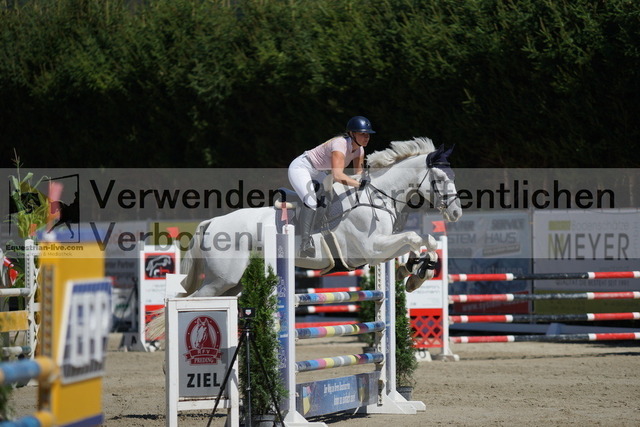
(575, 241)
(490, 242)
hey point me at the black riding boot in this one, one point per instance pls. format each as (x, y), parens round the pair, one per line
(307, 216)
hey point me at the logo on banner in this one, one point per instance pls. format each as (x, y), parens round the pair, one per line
(157, 266)
(203, 341)
(58, 206)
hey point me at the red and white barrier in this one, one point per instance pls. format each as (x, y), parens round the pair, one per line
(510, 318)
(624, 336)
(442, 320)
(534, 297)
(507, 277)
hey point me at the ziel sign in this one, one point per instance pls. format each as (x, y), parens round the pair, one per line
(202, 335)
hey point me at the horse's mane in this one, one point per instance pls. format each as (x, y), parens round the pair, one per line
(400, 150)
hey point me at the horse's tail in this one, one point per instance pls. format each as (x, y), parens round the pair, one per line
(192, 265)
(154, 330)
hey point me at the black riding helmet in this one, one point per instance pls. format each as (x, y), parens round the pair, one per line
(359, 124)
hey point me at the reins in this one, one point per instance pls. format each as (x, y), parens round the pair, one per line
(445, 199)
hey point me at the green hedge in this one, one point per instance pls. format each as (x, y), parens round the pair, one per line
(194, 83)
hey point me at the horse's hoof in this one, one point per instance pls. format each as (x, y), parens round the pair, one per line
(413, 283)
(429, 274)
(432, 244)
(427, 266)
(402, 272)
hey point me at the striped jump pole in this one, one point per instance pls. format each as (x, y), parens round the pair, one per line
(324, 324)
(325, 290)
(40, 368)
(510, 318)
(624, 336)
(312, 309)
(336, 297)
(366, 392)
(333, 309)
(317, 273)
(339, 330)
(507, 277)
(16, 350)
(338, 361)
(14, 292)
(536, 297)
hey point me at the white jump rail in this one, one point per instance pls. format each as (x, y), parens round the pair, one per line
(23, 320)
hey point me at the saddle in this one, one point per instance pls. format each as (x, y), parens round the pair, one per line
(290, 204)
(336, 205)
(332, 211)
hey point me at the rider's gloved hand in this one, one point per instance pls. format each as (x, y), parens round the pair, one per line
(363, 183)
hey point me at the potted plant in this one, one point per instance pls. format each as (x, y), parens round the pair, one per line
(266, 387)
(406, 362)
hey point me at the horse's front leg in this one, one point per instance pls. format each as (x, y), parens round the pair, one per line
(420, 265)
(389, 246)
(406, 269)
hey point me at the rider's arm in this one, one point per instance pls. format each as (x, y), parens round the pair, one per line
(358, 165)
(337, 170)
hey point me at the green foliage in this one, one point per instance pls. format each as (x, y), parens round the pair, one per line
(192, 83)
(31, 206)
(31, 214)
(258, 292)
(406, 362)
(32, 210)
(5, 395)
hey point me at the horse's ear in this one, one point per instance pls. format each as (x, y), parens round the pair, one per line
(435, 156)
(430, 159)
(447, 153)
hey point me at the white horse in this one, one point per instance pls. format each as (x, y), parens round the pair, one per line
(359, 229)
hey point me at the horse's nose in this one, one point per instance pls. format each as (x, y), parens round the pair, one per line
(456, 214)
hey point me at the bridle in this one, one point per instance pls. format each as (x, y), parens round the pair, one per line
(445, 200)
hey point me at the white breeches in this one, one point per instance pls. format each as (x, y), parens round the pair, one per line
(303, 176)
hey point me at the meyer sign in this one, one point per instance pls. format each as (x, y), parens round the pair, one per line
(577, 241)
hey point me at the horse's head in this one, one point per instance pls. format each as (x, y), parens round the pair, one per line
(442, 193)
(436, 185)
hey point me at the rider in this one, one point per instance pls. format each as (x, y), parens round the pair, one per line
(307, 171)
